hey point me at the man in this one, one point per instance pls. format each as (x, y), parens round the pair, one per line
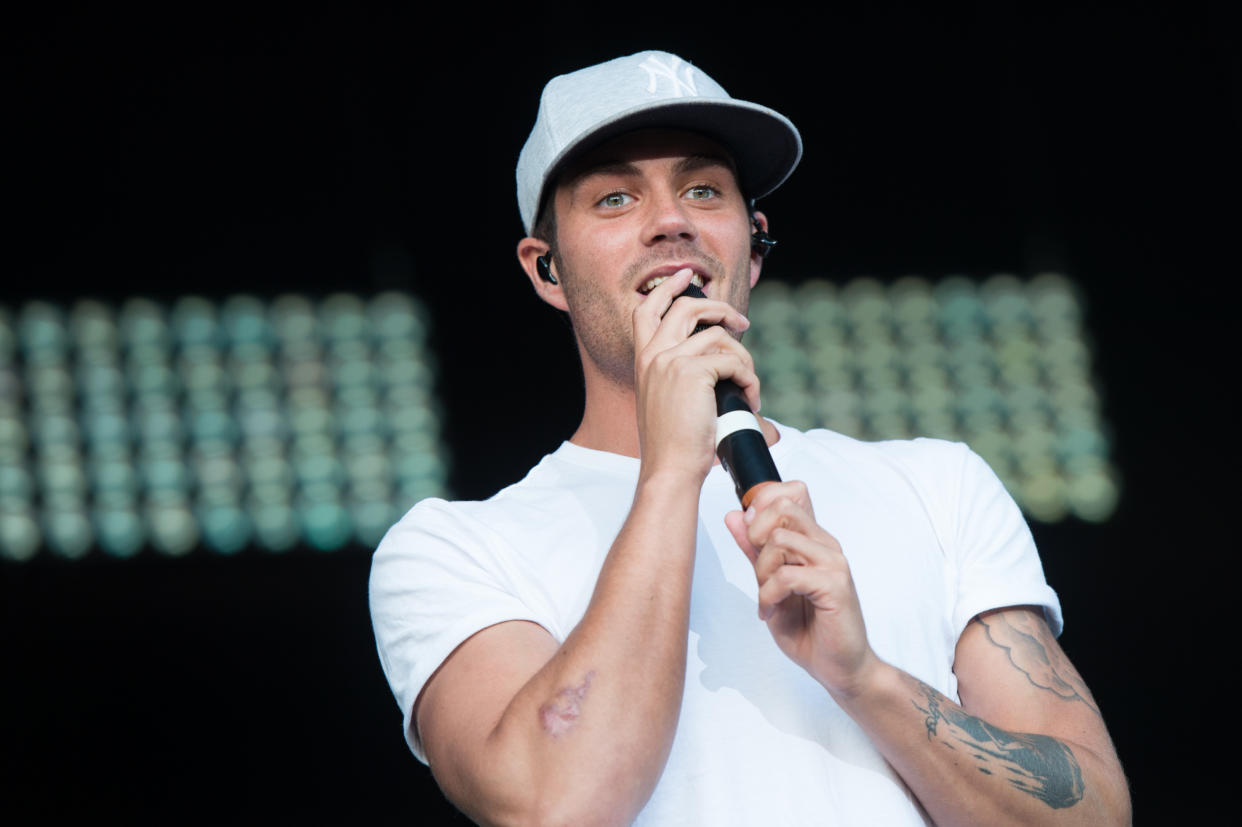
(584, 647)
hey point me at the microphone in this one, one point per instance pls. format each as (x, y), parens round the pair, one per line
(739, 440)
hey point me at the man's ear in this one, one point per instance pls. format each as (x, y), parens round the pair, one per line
(756, 260)
(529, 249)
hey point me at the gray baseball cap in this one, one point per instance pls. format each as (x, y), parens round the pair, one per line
(582, 109)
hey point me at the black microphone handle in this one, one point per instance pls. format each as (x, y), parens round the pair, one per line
(739, 440)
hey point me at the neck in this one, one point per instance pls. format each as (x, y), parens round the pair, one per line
(609, 418)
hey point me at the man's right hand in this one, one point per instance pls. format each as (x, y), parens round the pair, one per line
(676, 372)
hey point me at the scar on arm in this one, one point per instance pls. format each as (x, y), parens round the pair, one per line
(559, 715)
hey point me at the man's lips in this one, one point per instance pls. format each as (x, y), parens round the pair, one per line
(655, 277)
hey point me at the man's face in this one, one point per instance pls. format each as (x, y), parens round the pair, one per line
(639, 208)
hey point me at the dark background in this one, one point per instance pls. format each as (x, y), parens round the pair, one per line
(217, 151)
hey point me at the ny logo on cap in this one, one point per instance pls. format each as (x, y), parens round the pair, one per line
(656, 69)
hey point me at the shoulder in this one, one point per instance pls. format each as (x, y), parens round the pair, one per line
(922, 460)
(915, 446)
(517, 542)
(439, 538)
(434, 517)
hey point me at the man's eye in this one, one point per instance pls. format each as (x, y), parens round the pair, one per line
(700, 193)
(614, 199)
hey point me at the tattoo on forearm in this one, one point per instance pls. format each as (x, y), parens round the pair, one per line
(1030, 647)
(559, 715)
(1035, 764)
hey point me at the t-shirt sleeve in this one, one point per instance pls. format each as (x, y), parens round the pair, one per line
(996, 559)
(437, 578)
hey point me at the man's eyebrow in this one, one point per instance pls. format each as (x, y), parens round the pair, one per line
(694, 163)
(602, 168)
(690, 163)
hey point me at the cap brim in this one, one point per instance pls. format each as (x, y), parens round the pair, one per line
(764, 144)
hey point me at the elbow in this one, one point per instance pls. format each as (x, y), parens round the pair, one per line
(519, 781)
(1111, 812)
(1118, 806)
(550, 803)
(560, 807)
(578, 815)
(1113, 803)
(554, 814)
(1106, 802)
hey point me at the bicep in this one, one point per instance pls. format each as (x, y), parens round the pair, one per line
(1012, 673)
(466, 697)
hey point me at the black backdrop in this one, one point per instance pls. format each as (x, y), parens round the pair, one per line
(213, 152)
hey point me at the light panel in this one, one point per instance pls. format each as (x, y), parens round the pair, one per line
(214, 424)
(1002, 365)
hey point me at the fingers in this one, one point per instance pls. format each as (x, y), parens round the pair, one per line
(740, 369)
(664, 329)
(789, 548)
(786, 582)
(806, 593)
(793, 490)
(784, 505)
(779, 536)
(648, 314)
(825, 589)
(711, 356)
(660, 314)
(791, 563)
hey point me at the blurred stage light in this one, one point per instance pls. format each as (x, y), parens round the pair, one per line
(1001, 365)
(210, 424)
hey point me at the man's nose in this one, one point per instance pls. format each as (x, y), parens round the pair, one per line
(668, 220)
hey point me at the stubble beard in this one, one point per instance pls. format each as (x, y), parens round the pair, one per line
(603, 325)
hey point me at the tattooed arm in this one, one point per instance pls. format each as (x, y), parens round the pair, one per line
(1027, 726)
(1027, 744)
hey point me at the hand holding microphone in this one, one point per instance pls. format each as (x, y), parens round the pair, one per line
(740, 444)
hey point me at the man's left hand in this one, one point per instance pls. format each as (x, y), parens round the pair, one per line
(806, 592)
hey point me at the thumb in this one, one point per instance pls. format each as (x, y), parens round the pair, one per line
(737, 527)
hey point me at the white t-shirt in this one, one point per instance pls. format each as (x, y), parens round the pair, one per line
(932, 539)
